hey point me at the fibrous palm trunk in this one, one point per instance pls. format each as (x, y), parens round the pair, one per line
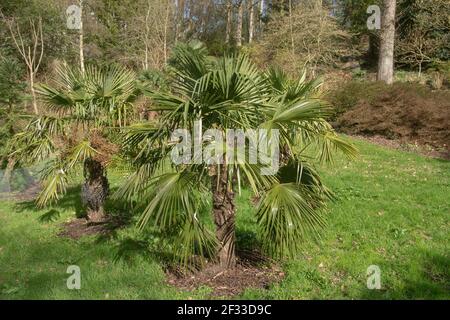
(224, 211)
(95, 190)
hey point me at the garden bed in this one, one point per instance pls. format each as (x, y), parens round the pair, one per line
(409, 114)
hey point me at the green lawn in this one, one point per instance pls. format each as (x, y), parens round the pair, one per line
(393, 211)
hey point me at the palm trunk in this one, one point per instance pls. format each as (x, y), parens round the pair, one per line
(224, 211)
(95, 190)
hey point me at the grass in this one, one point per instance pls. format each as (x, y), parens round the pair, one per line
(392, 211)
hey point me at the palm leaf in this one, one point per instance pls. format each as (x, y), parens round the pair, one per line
(286, 218)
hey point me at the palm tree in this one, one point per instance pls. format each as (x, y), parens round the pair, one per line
(75, 131)
(225, 93)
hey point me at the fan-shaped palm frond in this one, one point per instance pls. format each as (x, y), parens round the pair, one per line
(176, 207)
(231, 93)
(55, 181)
(82, 108)
(286, 216)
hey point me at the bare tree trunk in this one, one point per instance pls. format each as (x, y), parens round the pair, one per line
(180, 19)
(239, 24)
(386, 59)
(251, 22)
(29, 53)
(166, 24)
(291, 30)
(229, 21)
(175, 20)
(261, 15)
(81, 38)
(33, 91)
(147, 35)
(224, 211)
(95, 190)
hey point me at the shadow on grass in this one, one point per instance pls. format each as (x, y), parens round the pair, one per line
(130, 247)
(155, 246)
(50, 216)
(71, 202)
(41, 265)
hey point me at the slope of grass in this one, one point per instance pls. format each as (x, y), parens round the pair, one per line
(392, 211)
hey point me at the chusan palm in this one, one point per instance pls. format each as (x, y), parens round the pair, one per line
(74, 133)
(231, 93)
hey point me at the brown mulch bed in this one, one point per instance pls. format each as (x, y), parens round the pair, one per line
(397, 144)
(252, 271)
(77, 228)
(409, 114)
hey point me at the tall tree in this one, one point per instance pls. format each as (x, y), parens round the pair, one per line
(291, 28)
(239, 22)
(306, 35)
(229, 21)
(387, 41)
(81, 37)
(251, 20)
(31, 53)
(179, 13)
(423, 33)
(261, 14)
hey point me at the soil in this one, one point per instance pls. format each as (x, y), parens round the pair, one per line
(77, 228)
(398, 145)
(406, 114)
(252, 271)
